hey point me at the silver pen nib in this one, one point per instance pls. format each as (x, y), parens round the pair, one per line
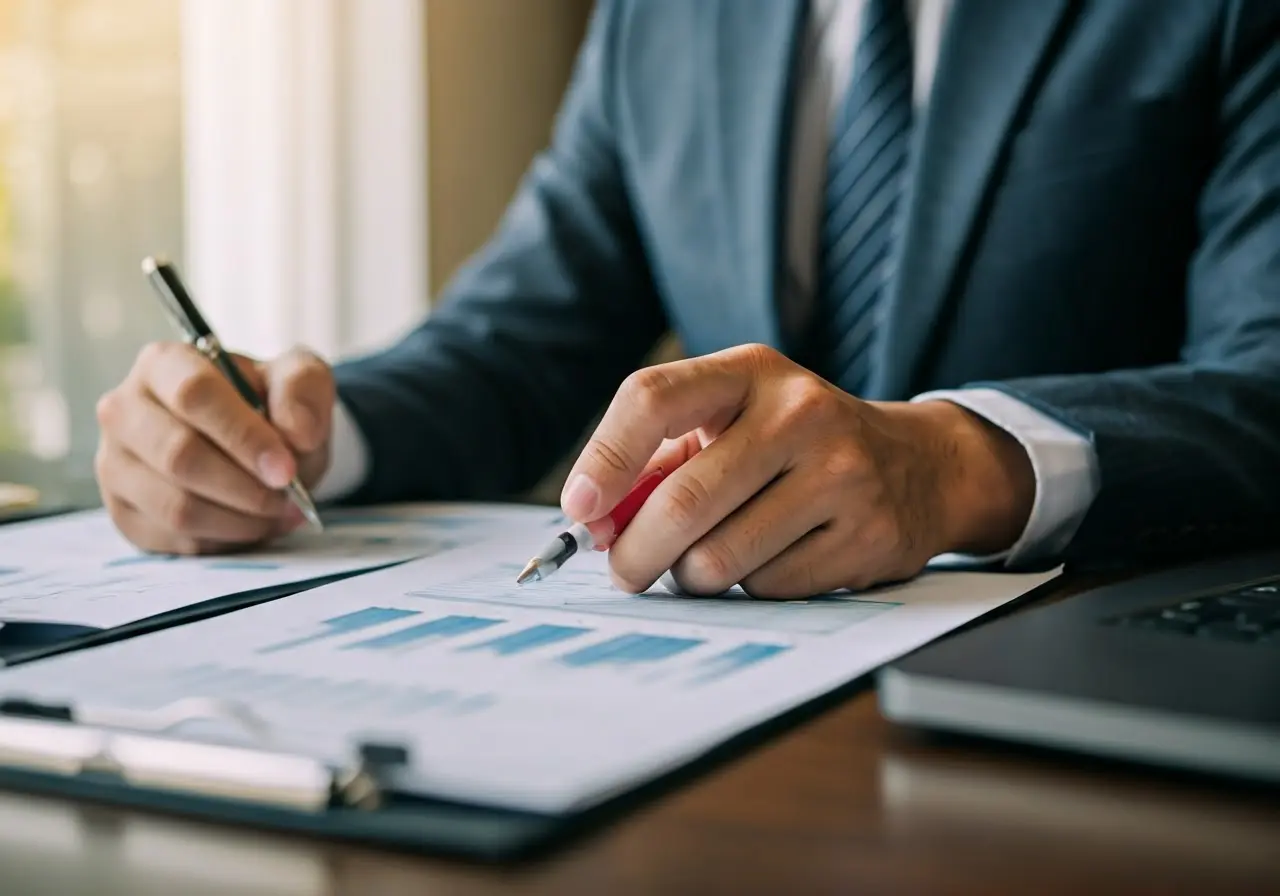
(532, 572)
(304, 503)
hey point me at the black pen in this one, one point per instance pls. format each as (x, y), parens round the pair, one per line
(180, 307)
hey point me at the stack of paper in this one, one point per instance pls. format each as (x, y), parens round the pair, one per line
(545, 697)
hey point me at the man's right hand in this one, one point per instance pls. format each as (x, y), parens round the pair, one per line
(186, 466)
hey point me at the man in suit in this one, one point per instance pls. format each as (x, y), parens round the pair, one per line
(993, 278)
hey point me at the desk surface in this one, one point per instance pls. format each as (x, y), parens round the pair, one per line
(844, 804)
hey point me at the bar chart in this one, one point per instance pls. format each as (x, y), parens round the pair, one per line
(630, 649)
(533, 648)
(342, 625)
(527, 639)
(422, 634)
(735, 660)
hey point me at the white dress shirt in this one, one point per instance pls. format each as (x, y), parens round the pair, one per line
(1064, 462)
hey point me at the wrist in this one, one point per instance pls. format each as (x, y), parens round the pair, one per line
(986, 483)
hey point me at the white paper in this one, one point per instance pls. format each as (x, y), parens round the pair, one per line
(77, 569)
(544, 697)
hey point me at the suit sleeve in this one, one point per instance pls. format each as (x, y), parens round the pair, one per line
(532, 336)
(1189, 453)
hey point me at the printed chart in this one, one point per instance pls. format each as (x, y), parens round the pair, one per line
(587, 588)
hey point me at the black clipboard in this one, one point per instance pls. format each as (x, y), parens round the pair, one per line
(408, 823)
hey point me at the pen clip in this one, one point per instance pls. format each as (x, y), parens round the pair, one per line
(177, 304)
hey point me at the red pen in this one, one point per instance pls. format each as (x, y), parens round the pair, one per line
(580, 537)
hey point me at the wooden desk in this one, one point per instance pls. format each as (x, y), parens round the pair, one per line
(845, 804)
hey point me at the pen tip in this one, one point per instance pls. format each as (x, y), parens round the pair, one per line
(151, 264)
(531, 573)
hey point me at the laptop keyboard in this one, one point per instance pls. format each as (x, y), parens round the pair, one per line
(1248, 615)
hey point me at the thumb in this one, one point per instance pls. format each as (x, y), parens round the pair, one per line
(300, 397)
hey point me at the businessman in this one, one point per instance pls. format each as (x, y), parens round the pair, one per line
(989, 278)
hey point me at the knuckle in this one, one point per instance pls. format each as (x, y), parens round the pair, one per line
(843, 462)
(107, 409)
(707, 568)
(248, 433)
(603, 454)
(887, 538)
(194, 392)
(684, 501)
(806, 400)
(181, 513)
(644, 392)
(757, 355)
(786, 583)
(180, 457)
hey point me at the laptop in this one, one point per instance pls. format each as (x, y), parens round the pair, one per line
(1178, 668)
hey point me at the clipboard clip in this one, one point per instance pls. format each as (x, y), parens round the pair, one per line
(133, 747)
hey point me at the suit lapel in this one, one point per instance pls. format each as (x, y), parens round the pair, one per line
(991, 54)
(753, 56)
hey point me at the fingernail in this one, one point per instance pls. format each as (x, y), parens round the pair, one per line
(293, 516)
(602, 533)
(581, 498)
(273, 469)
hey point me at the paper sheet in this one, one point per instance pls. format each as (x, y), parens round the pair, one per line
(77, 569)
(543, 697)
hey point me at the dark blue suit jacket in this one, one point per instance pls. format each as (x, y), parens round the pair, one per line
(1093, 226)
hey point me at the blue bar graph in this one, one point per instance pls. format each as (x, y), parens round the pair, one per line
(435, 630)
(735, 660)
(628, 649)
(342, 625)
(529, 639)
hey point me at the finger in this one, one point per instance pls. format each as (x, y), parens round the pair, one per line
(197, 393)
(300, 396)
(145, 534)
(671, 455)
(749, 538)
(693, 500)
(136, 423)
(186, 515)
(841, 555)
(657, 403)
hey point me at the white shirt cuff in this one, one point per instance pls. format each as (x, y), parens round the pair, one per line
(1065, 466)
(348, 458)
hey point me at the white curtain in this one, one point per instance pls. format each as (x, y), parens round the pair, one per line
(305, 159)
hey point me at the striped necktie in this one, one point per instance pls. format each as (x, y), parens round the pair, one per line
(866, 166)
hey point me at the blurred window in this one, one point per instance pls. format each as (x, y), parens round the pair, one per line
(91, 180)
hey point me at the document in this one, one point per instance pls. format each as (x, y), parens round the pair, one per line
(78, 570)
(545, 697)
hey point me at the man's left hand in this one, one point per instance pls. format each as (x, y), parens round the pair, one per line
(789, 486)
